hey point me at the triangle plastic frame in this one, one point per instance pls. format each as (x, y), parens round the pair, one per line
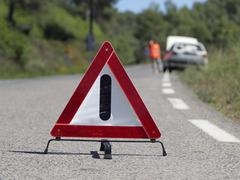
(63, 128)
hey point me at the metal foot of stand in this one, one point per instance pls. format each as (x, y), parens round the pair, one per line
(163, 148)
(46, 149)
(105, 145)
(107, 148)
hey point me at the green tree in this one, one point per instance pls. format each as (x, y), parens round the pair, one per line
(150, 25)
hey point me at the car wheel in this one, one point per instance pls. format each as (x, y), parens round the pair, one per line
(164, 69)
(165, 66)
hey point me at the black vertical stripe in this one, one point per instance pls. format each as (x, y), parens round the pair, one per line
(105, 97)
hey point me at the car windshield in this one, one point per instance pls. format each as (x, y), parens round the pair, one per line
(187, 48)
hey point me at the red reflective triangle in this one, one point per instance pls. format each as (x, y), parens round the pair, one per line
(106, 55)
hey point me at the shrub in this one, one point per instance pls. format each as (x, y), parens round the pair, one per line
(57, 32)
(14, 45)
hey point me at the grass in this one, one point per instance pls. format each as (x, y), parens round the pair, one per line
(219, 84)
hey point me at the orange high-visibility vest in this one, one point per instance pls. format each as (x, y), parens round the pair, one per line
(155, 51)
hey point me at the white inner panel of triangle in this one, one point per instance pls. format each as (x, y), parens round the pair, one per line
(122, 113)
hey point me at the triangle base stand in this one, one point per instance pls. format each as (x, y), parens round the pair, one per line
(105, 144)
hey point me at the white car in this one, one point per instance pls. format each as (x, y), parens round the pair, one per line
(183, 51)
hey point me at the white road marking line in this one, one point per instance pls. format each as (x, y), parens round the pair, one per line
(214, 131)
(178, 103)
(166, 77)
(168, 91)
(165, 80)
(166, 84)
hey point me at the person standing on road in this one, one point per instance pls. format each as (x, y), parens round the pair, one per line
(155, 56)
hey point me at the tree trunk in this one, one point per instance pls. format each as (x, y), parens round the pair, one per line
(11, 9)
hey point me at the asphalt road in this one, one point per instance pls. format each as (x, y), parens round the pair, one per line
(200, 142)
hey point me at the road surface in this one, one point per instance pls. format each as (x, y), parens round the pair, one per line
(200, 142)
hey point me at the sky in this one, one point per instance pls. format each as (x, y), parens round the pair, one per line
(139, 5)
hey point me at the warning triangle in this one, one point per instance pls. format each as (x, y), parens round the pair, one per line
(106, 104)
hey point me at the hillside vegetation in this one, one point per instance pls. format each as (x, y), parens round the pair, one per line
(49, 37)
(29, 48)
